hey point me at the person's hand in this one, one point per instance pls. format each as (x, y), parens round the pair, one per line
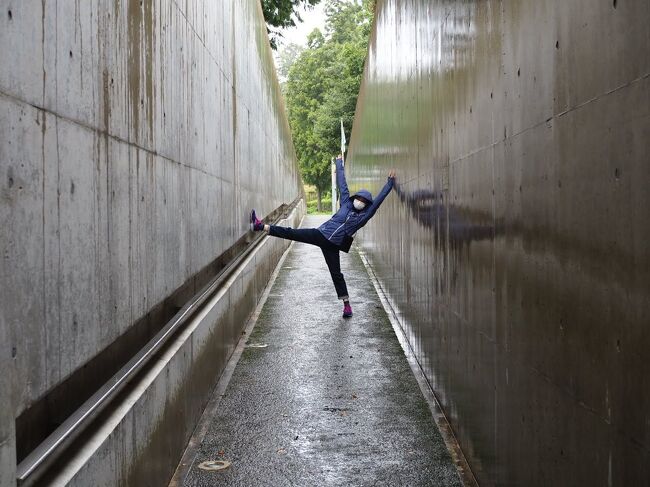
(392, 174)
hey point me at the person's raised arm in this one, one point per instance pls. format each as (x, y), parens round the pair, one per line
(382, 195)
(340, 180)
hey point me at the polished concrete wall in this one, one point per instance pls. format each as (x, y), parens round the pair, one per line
(516, 247)
(134, 138)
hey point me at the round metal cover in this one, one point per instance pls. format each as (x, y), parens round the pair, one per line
(214, 465)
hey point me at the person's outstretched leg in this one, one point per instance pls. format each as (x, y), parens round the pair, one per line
(333, 260)
(315, 237)
(305, 235)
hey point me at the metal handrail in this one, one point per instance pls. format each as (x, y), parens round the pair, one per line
(49, 450)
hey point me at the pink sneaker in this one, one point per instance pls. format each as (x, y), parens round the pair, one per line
(347, 311)
(257, 225)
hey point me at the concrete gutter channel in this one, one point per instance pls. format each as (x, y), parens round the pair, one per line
(133, 430)
(310, 398)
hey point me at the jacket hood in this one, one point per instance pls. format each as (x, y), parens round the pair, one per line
(365, 194)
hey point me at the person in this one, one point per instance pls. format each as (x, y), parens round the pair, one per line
(337, 233)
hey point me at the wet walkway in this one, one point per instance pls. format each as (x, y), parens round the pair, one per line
(325, 400)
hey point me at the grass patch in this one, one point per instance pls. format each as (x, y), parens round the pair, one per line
(326, 205)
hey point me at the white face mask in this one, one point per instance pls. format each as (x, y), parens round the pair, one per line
(358, 205)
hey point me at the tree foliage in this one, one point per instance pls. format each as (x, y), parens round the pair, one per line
(285, 59)
(280, 14)
(323, 86)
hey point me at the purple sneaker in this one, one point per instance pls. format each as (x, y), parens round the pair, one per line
(257, 225)
(347, 311)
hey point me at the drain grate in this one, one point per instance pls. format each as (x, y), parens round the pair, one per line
(214, 465)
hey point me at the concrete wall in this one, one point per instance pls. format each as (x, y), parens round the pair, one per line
(516, 249)
(134, 138)
(141, 442)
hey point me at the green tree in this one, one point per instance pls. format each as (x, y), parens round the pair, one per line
(282, 14)
(323, 85)
(348, 22)
(308, 82)
(285, 58)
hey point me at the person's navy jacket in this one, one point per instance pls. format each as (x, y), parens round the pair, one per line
(340, 229)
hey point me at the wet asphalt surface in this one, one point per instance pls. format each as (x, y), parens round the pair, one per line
(329, 401)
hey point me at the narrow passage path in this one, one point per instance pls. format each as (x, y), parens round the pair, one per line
(328, 401)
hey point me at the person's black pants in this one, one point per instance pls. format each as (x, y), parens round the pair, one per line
(330, 252)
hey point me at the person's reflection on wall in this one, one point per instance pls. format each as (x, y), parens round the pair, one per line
(429, 209)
